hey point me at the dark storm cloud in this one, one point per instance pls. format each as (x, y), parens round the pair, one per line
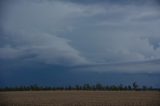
(119, 2)
(151, 66)
(71, 33)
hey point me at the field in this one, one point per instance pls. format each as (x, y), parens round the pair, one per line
(80, 98)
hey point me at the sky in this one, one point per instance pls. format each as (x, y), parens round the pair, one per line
(65, 42)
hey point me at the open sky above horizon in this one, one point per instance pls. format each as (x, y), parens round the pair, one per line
(62, 42)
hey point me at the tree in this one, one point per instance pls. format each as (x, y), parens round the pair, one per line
(144, 88)
(135, 86)
(99, 86)
(77, 87)
(129, 87)
(86, 87)
(120, 87)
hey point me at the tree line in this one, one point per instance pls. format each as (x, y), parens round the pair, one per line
(98, 86)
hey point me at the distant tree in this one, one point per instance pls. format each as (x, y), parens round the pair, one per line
(86, 87)
(107, 87)
(120, 87)
(92, 87)
(114, 88)
(144, 88)
(135, 86)
(150, 88)
(77, 87)
(69, 87)
(99, 86)
(129, 87)
(125, 88)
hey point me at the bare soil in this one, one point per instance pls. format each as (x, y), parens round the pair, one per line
(80, 98)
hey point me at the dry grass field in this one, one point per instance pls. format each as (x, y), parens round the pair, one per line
(80, 98)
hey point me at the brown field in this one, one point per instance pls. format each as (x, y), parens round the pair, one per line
(80, 98)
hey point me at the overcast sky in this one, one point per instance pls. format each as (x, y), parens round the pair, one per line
(120, 36)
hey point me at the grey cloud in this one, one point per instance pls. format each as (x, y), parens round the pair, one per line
(61, 32)
(155, 42)
(121, 39)
(46, 48)
(121, 2)
(151, 66)
(29, 28)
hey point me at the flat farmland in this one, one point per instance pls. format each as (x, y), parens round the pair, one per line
(80, 98)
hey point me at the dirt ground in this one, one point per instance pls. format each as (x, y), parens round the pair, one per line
(80, 98)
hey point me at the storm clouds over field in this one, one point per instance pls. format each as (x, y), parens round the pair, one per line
(59, 39)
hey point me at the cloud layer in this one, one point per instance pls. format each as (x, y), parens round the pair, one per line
(26, 34)
(70, 33)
